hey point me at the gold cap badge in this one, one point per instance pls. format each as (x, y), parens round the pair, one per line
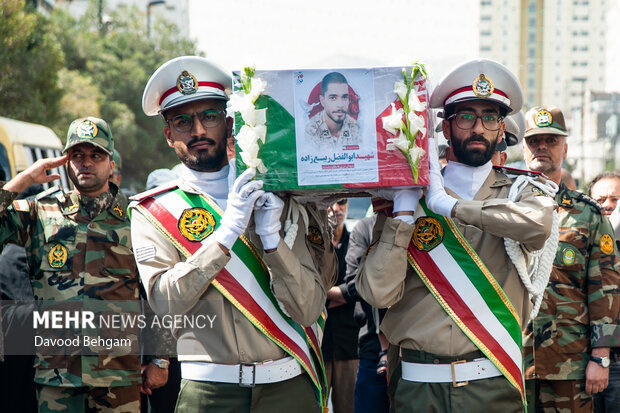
(543, 118)
(483, 86)
(187, 83)
(86, 130)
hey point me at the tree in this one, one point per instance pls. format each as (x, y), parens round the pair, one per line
(30, 58)
(119, 60)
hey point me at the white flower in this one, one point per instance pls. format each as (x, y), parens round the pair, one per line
(416, 153)
(249, 135)
(401, 142)
(239, 103)
(414, 102)
(401, 90)
(257, 87)
(416, 123)
(393, 122)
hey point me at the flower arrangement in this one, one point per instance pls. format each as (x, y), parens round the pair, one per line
(405, 123)
(254, 128)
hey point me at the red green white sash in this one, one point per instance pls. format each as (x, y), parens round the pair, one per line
(244, 281)
(467, 291)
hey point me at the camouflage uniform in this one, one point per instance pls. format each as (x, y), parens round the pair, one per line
(318, 132)
(94, 260)
(579, 308)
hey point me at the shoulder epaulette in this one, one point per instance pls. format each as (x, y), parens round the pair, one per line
(154, 191)
(515, 171)
(54, 190)
(585, 198)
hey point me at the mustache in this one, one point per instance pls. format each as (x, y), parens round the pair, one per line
(196, 140)
(476, 138)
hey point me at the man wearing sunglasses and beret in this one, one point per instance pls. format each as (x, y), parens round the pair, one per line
(211, 244)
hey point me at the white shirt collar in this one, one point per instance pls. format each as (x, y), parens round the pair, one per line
(214, 184)
(466, 180)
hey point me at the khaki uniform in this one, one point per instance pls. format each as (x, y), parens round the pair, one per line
(415, 320)
(318, 132)
(178, 286)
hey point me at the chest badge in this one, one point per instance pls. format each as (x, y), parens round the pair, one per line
(314, 236)
(607, 244)
(196, 224)
(428, 233)
(568, 256)
(57, 257)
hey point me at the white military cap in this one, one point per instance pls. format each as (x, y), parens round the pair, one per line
(480, 79)
(184, 79)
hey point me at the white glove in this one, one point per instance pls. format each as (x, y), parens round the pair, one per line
(267, 213)
(239, 208)
(614, 218)
(406, 200)
(436, 197)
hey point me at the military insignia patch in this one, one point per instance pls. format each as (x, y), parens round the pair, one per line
(543, 119)
(538, 191)
(57, 257)
(607, 244)
(428, 233)
(315, 236)
(86, 130)
(566, 201)
(483, 86)
(21, 205)
(568, 256)
(196, 224)
(118, 211)
(187, 83)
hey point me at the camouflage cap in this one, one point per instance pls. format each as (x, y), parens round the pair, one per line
(90, 130)
(545, 119)
(118, 161)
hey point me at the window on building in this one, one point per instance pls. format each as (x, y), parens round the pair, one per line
(485, 3)
(485, 48)
(485, 18)
(485, 33)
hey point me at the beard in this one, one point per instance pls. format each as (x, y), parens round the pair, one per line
(473, 157)
(204, 160)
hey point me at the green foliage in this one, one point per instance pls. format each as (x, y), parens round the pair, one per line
(119, 59)
(30, 58)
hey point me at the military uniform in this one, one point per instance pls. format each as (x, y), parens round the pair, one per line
(318, 132)
(93, 260)
(580, 305)
(178, 285)
(415, 322)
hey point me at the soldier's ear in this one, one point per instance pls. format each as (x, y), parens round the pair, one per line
(168, 136)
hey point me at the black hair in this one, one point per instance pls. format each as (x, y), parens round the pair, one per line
(601, 176)
(333, 77)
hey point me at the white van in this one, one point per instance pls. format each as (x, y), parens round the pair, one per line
(23, 143)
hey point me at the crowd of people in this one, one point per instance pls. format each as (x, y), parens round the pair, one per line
(491, 289)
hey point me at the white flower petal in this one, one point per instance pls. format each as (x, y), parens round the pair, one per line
(246, 136)
(414, 102)
(257, 87)
(239, 103)
(401, 90)
(401, 142)
(393, 122)
(416, 153)
(416, 123)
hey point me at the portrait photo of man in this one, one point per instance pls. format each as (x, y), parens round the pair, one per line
(334, 124)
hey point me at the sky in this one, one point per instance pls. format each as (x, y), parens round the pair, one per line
(286, 34)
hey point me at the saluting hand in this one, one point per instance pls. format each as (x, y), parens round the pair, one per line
(36, 174)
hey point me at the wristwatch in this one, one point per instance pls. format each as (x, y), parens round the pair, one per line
(163, 363)
(602, 361)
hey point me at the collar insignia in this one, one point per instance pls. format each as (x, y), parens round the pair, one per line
(428, 233)
(187, 83)
(57, 257)
(543, 119)
(196, 224)
(483, 86)
(86, 130)
(118, 210)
